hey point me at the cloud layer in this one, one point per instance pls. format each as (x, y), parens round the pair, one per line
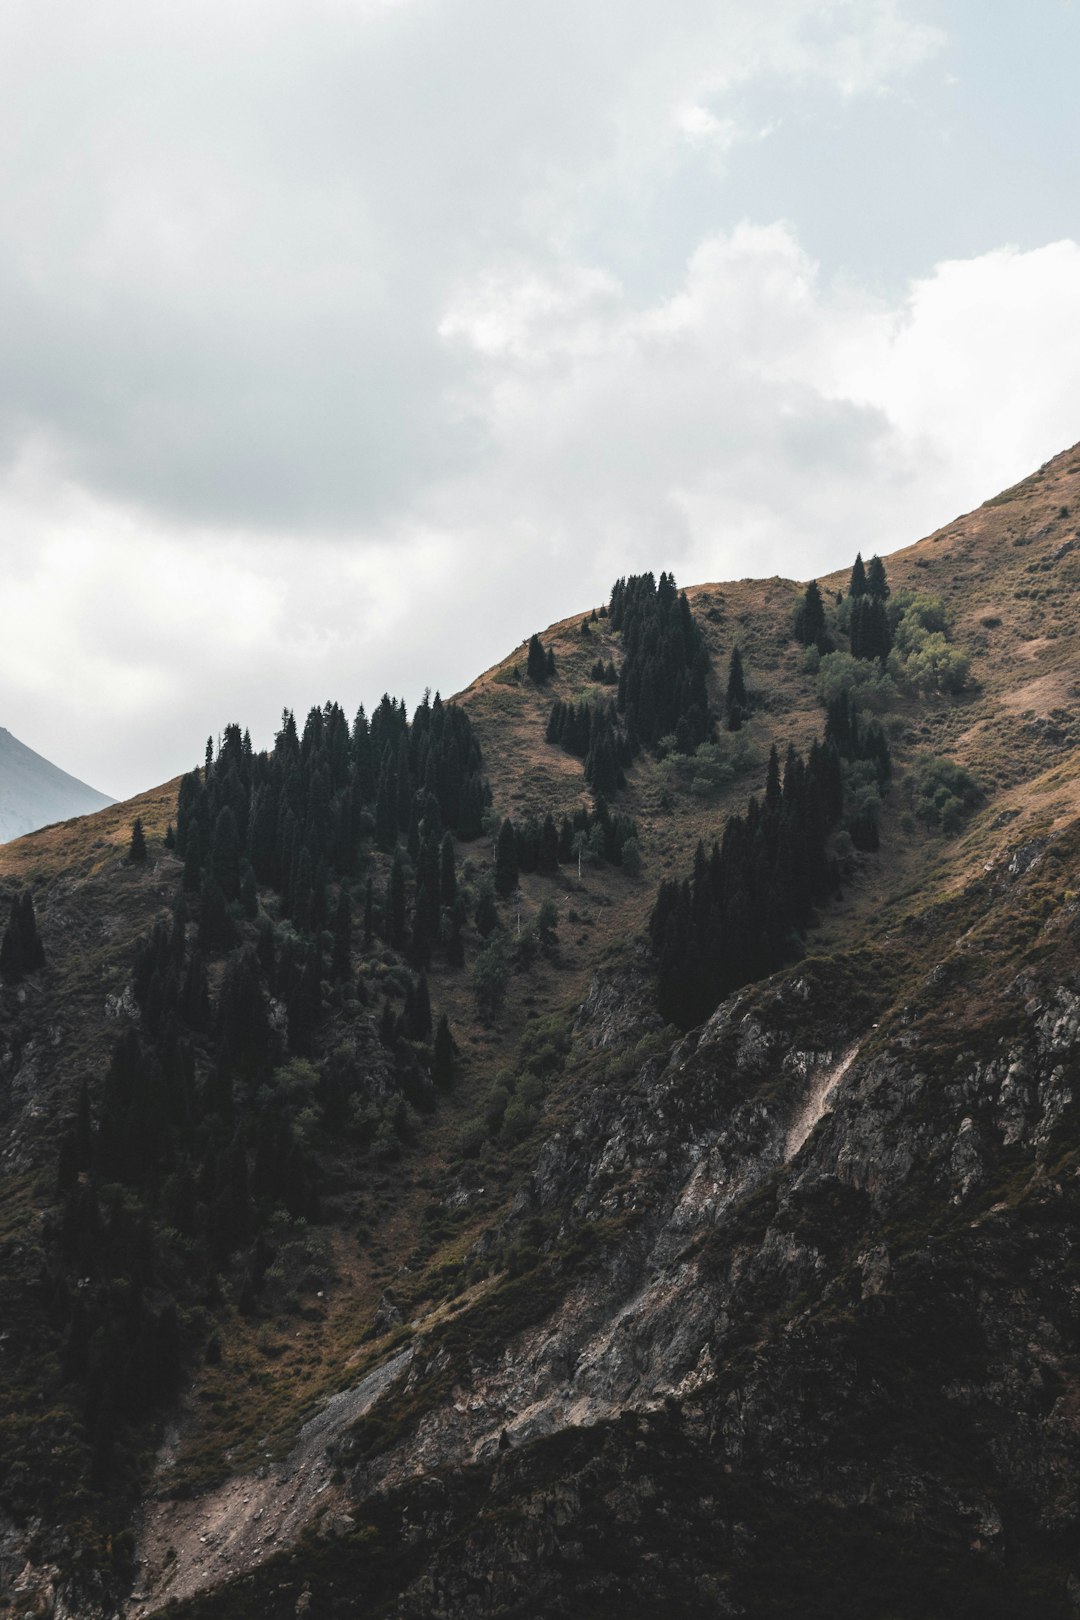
(342, 345)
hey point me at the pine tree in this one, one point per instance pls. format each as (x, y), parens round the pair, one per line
(395, 903)
(536, 665)
(137, 848)
(736, 702)
(876, 582)
(487, 915)
(21, 950)
(341, 960)
(448, 887)
(810, 618)
(548, 856)
(506, 860)
(857, 586)
(444, 1053)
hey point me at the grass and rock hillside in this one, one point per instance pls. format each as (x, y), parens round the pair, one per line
(787, 1296)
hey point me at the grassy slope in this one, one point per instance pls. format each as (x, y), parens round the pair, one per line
(994, 564)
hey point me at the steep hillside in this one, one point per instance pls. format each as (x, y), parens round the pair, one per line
(34, 792)
(774, 1314)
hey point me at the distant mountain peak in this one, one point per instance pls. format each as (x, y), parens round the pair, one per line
(34, 792)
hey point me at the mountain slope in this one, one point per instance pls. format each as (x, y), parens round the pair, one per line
(777, 1316)
(34, 792)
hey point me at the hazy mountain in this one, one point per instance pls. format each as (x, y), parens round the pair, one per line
(717, 1256)
(35, 793)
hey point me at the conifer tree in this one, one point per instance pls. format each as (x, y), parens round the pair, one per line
(342, 956)
(857, 586)
(506, 860)
(736, 702)
(395, 903)
(448, 887)
(876, 582)
(536, 664)
(810, 617)
(548, 855)
(487, 915)
(444, 1053)
(137, 847)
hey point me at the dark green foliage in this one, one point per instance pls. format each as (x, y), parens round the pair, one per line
(857, 585)
(661, 685)
(943, 793)
(21, 950)
(137, 847)
(736, 700)
(810, 619)
(487, 914)
(540, 664)
(342, 958)
(738, 917)
(444, 1055)
(506, 860)
(868, 628)
(876, 582)
(491, 974)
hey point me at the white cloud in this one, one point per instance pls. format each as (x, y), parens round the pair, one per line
(341, 344)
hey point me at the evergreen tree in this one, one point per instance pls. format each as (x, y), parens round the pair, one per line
(395, 903)
(736, 702)
(342, 956)
(548, 856)
(536, 665)
(444, 1054)
(448, 887)
(810, 618)
(487, 915)
(876, 582)
(137, 847)
(21, 950)
(857, 586)
(506, 860)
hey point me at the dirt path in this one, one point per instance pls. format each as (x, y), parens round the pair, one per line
(185, 1546)
(816, 1103)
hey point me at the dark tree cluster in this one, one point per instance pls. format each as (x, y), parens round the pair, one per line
(739, 916)
(868, 621)
(861, 743)
(194, 1142)
(661, 685)
(296, 819)
(662, 678)
(21, 950)
(540, 662)
(810, 620)
(592, 732)
(543, 847)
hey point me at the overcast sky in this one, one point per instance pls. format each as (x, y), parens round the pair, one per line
(345, 342)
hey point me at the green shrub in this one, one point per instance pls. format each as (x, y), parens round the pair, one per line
(943, 793)
(860, 679)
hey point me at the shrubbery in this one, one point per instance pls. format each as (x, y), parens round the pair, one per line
(943, 793)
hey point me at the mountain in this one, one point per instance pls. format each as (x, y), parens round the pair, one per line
(34, 792)
(716, 1256)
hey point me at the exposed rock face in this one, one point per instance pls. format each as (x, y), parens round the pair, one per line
(830, 1324)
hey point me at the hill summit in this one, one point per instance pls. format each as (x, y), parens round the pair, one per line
(605, 1144)
(35, 793)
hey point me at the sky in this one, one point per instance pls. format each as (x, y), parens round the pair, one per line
(344, 343)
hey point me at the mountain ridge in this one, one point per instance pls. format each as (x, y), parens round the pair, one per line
(34, 792)
(758, 1319)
